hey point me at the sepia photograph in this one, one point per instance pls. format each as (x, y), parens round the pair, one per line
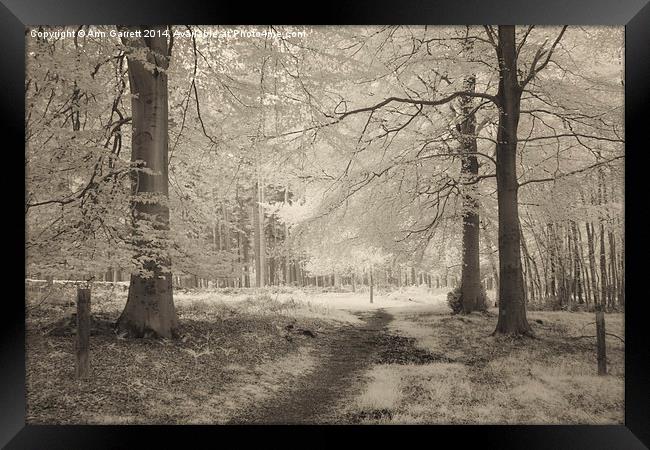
(351, 225)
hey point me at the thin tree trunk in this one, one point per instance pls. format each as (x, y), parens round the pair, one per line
(592, 263)
(491, 258)
(621, 288)
(577, 280)
(550, 245)
(603, 255)
(372, 284)
(260, 242)
(612, 268)
(528, 261)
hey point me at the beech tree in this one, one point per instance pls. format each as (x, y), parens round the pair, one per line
(512, 307)
(512, 83)
(150, 305)
(470, 286)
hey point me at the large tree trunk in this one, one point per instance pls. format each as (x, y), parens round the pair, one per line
(470, 285)
(150, 308)
(512, 308)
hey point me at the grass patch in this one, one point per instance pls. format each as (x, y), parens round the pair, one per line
(499, 380)
(380, 398)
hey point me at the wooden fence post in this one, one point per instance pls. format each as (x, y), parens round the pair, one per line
(83, 333)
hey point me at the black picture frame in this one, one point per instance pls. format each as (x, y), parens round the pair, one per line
(16, 15)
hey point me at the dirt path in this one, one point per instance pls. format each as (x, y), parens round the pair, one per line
(344, 354)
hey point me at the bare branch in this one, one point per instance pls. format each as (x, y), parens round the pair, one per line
(573, 172)
(441, 101)
(534, 69)
(523, 40)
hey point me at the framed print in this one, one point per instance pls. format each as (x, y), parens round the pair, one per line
(408, 218)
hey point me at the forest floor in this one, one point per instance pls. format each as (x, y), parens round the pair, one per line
(301, 356)
(472, 377)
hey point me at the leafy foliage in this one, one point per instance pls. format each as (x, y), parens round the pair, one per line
(455, 300)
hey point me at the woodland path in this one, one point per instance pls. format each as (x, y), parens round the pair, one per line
(343, 355)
